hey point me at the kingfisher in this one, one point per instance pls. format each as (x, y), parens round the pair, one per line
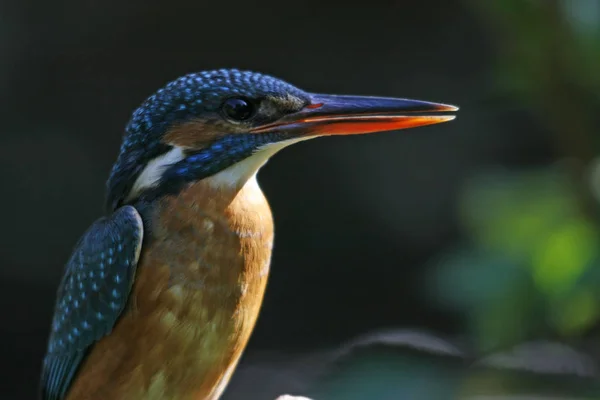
(160, 296)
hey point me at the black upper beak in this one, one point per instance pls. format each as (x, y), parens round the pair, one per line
(347, 115)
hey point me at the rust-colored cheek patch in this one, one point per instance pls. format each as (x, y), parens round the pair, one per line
(195, 134)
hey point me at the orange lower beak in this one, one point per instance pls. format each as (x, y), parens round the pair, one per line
(351, 115)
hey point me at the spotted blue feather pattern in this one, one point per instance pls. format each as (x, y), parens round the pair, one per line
(196, 93)
(92, 295)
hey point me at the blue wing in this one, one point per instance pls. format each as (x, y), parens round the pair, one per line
(92, 294)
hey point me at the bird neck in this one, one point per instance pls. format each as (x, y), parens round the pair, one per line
(227, 163)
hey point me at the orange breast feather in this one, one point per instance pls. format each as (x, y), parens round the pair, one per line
(194, 303)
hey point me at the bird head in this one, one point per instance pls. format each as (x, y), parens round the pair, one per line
(227, 123)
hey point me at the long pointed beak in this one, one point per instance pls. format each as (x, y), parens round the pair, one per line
(352, 115)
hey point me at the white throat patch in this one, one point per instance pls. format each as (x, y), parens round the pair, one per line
(239, 173)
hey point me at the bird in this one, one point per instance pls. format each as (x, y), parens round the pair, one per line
(160, 295)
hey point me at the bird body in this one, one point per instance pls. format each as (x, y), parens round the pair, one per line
(160, 296)
(195, 299)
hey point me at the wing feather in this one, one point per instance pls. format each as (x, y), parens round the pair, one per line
(92, 295)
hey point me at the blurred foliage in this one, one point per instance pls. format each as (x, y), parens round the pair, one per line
(548, 58)
(531, 263)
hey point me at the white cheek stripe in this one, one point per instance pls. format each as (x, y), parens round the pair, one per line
(153, 171)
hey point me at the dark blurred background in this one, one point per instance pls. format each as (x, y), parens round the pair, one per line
(485, 228)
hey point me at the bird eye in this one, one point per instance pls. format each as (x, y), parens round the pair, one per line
(238, 109)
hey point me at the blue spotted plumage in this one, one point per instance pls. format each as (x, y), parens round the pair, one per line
(92, 295)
